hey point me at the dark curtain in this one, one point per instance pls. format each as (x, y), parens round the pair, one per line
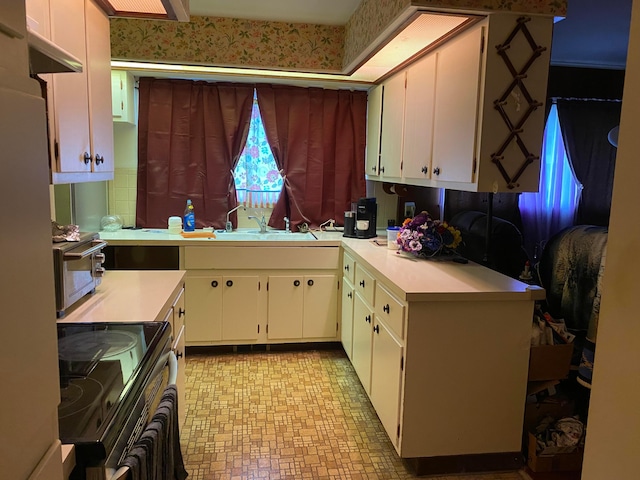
(190, 135)
(585, 125)
(318, 139)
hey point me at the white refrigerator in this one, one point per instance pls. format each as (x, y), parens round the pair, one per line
(29, 445)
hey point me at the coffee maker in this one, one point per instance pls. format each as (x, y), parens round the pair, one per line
(366, 213)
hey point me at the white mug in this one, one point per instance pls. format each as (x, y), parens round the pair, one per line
(362, 224)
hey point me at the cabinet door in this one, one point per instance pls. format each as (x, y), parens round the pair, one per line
(99, 79)
(38, 17)
(362, 337)
(320, 306)
(70, 103)
(122, 99)
(284, 314)
(392, 126)
(240, 307)
(203, 299)
(456, 108)
(374, 122)
(386, 379)
(418, 119)
(346, 319)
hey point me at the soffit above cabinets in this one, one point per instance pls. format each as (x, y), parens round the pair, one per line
(422, 32)
(177, 10)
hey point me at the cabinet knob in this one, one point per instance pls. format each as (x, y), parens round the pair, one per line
(346, 267)
(386, 308)
(179, 355)
(376, 328)
(350, 295)
(214, 284)
(180, 312)
(362, 283)
(296, 283)
(99, 159)
(367, 319)
(424, 170)
(381, 170)
(436, 171)
(373, 168)
(87, 158)
(310, 283)
(229, 283)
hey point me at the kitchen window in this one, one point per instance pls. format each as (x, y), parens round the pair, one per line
(257, 179)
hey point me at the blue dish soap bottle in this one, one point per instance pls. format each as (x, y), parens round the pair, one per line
(189, 218)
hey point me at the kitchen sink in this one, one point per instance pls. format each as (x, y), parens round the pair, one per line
(270, 235)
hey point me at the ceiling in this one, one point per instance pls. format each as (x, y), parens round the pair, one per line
(594, 34)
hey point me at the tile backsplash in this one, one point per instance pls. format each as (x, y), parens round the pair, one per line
(122, 195)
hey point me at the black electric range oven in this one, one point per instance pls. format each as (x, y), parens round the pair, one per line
(112, 376)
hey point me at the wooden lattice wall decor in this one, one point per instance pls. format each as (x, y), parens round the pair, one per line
(519, 78)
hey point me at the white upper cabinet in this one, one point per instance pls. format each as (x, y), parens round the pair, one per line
(374, 119)
(469, 115)
(393, 98)
(122, 97)
(456, 107)
(418, 119)
(80, 103)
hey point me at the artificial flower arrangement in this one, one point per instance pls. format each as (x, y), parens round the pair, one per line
(424, 237)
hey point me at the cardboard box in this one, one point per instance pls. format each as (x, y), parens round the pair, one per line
(556, 407)
(549, 461)
(550, 362)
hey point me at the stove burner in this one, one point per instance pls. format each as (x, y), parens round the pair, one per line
(90, 346)
(79, 395)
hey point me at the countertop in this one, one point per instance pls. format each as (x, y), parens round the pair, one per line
(159, 236)
(410, 278)
(419, 279)
(128, 296)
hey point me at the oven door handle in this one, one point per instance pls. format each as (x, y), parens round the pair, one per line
(173, 368)
(98, 245)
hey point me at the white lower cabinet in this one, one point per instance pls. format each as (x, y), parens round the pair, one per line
(386, 378)
(302, 306)
(254, 295)
(346, 330)
(421, 362)
(222, 308)
(362, 339)
(176, 317)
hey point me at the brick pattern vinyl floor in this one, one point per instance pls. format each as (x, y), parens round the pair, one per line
(287, 415)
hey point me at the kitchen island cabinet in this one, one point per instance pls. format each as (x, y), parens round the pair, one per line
(442, 351)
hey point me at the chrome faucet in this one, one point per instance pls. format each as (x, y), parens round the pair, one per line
(262, 222)
(286, 225)
(228, 226)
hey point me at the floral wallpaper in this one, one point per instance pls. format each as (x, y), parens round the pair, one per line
(284, 46)
(230, 42)
(367, 23)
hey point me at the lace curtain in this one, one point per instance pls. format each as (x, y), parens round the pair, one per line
(258, 182)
